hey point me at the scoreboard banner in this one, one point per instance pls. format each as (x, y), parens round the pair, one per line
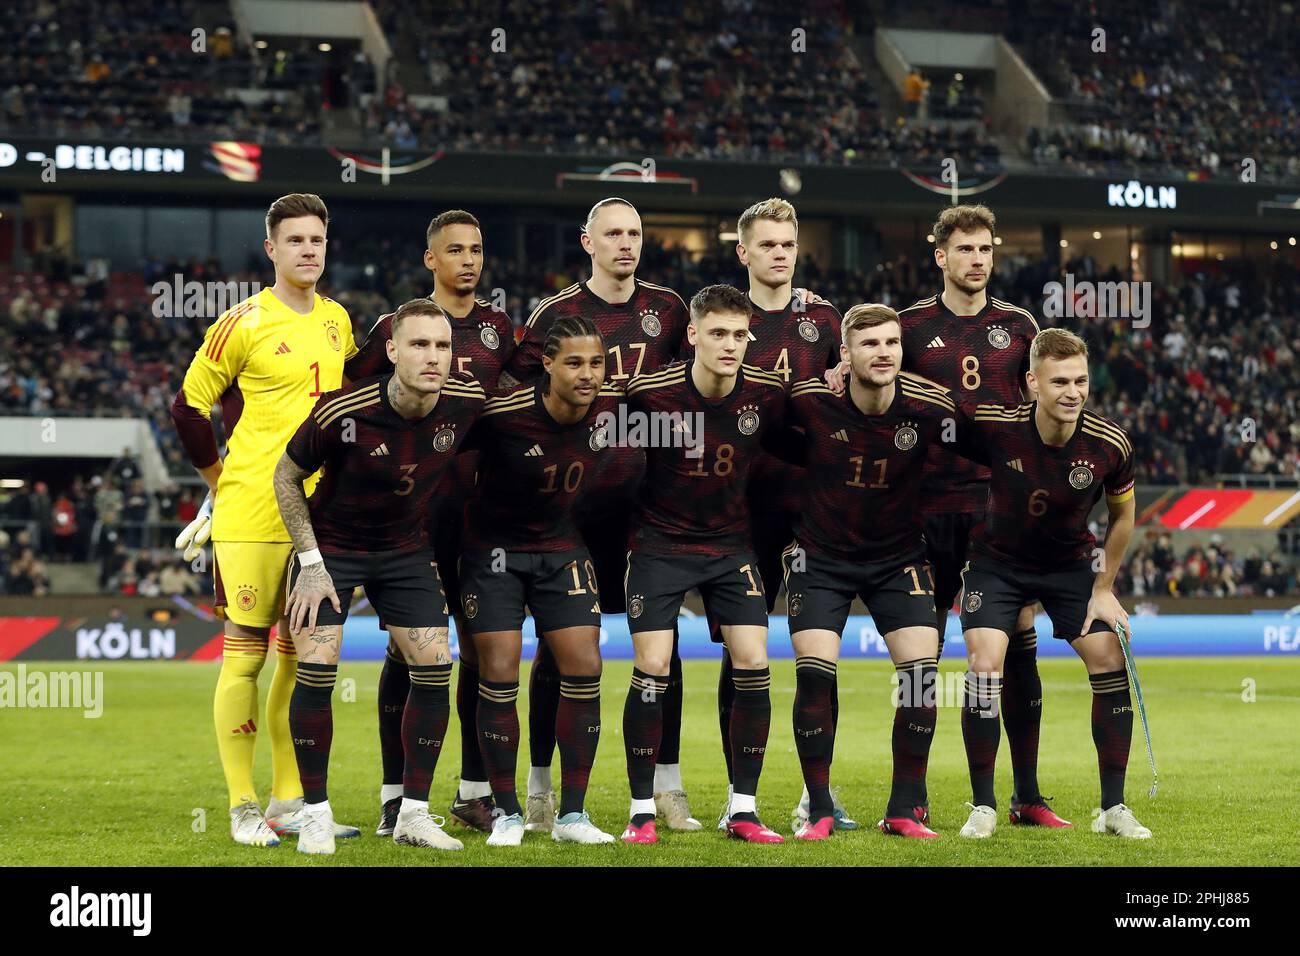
(118, 637)
(223, 169)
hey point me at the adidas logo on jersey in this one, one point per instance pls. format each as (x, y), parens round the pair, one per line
(534, 452)
(1015, 463)
(935, 343)
(841, 435)
(283, 349)
(381, 450)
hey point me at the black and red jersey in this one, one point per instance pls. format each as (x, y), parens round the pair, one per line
(692, 500)
(641, 335)
(1040, 497)
(794, 343)
(862, 491)
(379, 470)
(481, 345)
(533, 470)
(979, 358)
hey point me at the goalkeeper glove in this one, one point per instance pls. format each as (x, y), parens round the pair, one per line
(196, 534)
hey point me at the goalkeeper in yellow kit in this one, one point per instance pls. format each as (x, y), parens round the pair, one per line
(266, 361)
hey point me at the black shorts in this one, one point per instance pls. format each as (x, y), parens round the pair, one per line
(820, 590)
(657, 583)
(995, 592)
(773, 492)
(558, 587)
(606, 533)
(403, 587)
(947, 541)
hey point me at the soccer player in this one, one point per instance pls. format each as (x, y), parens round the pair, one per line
(692, 531)
(1050, 459)
(266, 360)
(643, 327)
(977, 347)
(482, 341)
(384, 444)
(541, 447)
(859, 533)
(795, 340)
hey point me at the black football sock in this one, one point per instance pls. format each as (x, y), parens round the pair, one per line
(471, 757)
(543, 702)
(394, 688)
(914, 723)
(670, 745)
(642, 732)
(981, 730)
(814, 730)
(1112, 732)
(726, 701)
(1022, 712)
(498, 730)
(751, 720)
(577, 729)
(424, 725)
(311, 721)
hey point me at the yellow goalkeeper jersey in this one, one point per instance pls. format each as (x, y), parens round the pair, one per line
(266, 364)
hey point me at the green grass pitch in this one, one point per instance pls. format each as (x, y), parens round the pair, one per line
(125, 789)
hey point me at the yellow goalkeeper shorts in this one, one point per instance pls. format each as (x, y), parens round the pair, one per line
(248, 581)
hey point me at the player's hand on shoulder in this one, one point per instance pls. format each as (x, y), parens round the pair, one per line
(314, 585)
(809, 297)
(837, 377)
(1104, 606)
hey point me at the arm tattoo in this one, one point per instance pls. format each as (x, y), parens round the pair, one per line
(293, 503)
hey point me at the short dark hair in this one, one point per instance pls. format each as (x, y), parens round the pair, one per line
(291, 207)
(568, 327)
(966, 218)
(718, 298)
(415, 307)
(452, 217)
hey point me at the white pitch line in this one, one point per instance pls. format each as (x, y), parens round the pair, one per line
(1191, 519)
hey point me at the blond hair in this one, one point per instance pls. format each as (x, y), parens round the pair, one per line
(775, 209)
(866, 315)
(1056, 344)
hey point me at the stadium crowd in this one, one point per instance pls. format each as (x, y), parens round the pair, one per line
(1156, 568)
(1190, 92)
(74, 67)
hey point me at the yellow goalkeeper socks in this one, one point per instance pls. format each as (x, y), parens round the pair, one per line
(234, 710)
(285, 784)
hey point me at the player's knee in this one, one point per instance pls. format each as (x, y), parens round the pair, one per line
(1109, 658)
(749, 660)
(498, 668)
(584, 662)
(654, 662)
(984, 661)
